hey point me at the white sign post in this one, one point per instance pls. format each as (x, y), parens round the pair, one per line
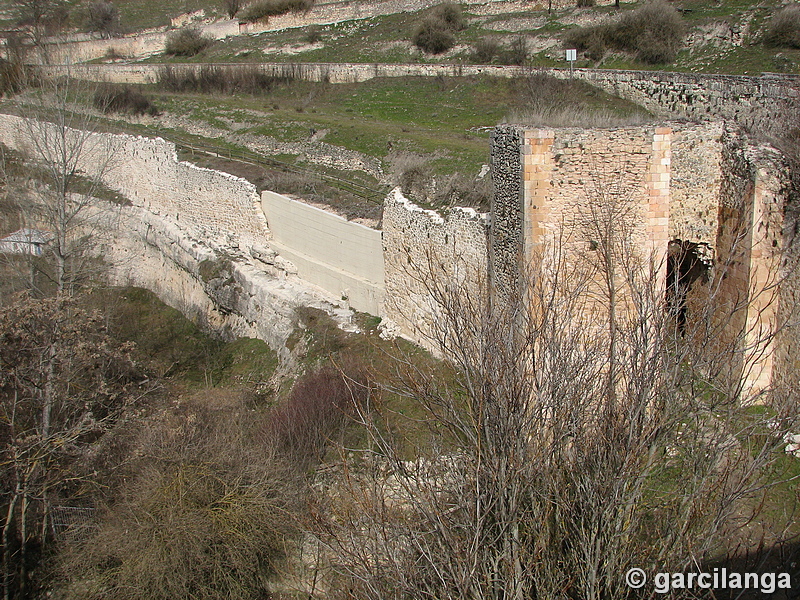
(572, 56)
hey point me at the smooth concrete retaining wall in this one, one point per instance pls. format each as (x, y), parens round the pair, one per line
(342, 257)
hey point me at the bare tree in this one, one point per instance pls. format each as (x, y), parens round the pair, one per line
(103, 17)
(232, 7)
(43, 17)
(575, 433)
(70, 161)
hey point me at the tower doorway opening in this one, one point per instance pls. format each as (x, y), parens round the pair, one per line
(687, 263)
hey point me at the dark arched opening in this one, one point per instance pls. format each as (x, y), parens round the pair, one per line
(687, 263)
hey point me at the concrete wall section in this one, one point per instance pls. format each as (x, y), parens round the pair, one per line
(341, 257)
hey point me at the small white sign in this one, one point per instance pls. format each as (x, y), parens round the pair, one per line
(572, 55)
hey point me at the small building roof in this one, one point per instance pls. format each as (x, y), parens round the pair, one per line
(29, 236)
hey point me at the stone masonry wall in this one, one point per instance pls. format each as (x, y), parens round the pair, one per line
(753, 275)
(754, 102)
(696, 178)
(575, 181)
(422, 251)
(213, 205)
(507, 220)
(701, 184)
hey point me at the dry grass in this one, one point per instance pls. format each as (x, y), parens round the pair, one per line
(549, 102)
(203, 508)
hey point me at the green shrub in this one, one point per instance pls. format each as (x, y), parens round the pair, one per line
(187, 42)
(272, 8)
(653, 33)
(783, 30)
(585, 3)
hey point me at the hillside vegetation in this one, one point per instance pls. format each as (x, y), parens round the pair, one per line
(735, 36)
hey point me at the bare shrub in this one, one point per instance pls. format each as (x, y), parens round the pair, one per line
(103, 17)
(783, 30)
(15, 73)
(315, 413)
(435, 34)
(450, 16)
(414, 175)
(653, 33)
(188, 41)
(572, 439)
(486, 50)
(232, 7)
(206, 512)
(589, 39)
(123, 99)
(272, 8)
(313, 34)
(460, 190)
(113, 54)
(518, 52)
(63, 383)
(225, 80)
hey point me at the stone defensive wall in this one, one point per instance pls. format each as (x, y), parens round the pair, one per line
(752, 101)
(212, 205)
(208, 244)
(422, 251)
(340, 256)
(703, 190)
(198, 238)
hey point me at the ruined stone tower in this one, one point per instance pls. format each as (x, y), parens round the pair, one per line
(702, 206)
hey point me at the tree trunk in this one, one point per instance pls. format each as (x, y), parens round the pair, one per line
(12, 507)
(23, 571)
